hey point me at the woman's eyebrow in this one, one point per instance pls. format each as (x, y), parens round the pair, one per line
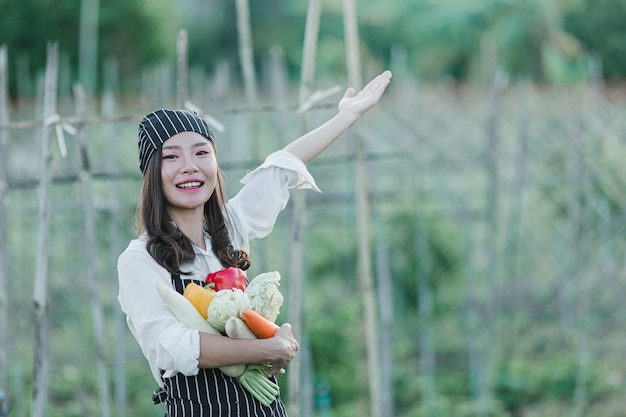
(195, 145)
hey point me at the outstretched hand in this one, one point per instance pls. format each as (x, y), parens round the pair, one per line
(351, 107)
(367, 98)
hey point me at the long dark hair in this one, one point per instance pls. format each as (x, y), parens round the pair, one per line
(169, 247)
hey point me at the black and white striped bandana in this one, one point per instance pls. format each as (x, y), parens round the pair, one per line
(157, 127)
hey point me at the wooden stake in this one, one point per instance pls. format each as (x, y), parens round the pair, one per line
(248, 126)
(425, 301)
(351, 34)
(309, 50)
(109, 105)
(385, 301)
(299, 208)
(4, 267)
(366, 280)
(246, 54)
(91, 253)
(40, 292)
(181, 68)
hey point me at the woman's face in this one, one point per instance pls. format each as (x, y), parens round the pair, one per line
(188, 171)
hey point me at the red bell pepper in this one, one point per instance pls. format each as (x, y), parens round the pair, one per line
(227, 279)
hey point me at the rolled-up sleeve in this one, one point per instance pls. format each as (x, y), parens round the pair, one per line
(165, 342)
(253, 211)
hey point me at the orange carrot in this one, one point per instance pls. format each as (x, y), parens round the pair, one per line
(260, 326)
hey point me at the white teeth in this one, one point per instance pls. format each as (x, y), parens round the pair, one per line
(190, 184)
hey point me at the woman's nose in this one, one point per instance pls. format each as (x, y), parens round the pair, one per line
(189, 165)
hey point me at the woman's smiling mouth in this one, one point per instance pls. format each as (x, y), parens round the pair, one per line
(190, 184)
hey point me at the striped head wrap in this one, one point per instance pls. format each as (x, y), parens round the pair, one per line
(157, 127)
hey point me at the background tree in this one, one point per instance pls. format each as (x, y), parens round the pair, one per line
(133, 32)
(547, 41)
(599, 25)
(460, 38)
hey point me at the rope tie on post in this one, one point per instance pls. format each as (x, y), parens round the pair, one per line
(60, 126)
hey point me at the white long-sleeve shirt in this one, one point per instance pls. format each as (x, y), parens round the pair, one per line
(165, 342)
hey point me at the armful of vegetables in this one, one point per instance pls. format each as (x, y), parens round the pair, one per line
(187, 314)
(252, 377)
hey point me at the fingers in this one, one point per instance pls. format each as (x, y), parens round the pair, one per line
(369, 95)
(383, 77)
(377, 85)
(350, 92)
(288, 349)
(274, 370)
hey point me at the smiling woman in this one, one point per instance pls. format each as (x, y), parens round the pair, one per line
(188, 231)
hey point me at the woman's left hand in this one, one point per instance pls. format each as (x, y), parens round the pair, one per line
(367, 98)
(285, 348)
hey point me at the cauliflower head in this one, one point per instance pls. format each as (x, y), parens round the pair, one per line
(264, 296)
(226, 304)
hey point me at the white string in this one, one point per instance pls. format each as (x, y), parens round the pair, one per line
(60, 126)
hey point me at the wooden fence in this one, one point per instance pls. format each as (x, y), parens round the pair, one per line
(529, 177)
(52, 124)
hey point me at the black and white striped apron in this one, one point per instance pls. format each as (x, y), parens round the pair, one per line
(210, 393)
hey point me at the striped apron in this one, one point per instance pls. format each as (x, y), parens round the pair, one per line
(210, 393)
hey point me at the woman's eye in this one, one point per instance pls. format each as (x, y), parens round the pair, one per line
(203, 152)
(169, 156)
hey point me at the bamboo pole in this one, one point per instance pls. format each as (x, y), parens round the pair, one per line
(366, 284)
(576, 298)
(181, 68)
(109, 106)
(279, 91)
(471, 310)
(519, 186)
(366, 280)
(592, 222)
(513, 244)
(248, 126)
(4, 266)
(385, 300)
(426, 306)
(307, 75)
(309, 50)
(492, 223)
(296, 284)
(351, 35)
(130, 117)
(91, 252)
(40, 292)
(246, 54)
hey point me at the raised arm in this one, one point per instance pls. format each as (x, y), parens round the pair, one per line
(351, 107)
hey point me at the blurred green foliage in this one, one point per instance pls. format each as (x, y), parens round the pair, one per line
(135, 33)
(599, 25)
(548, 41)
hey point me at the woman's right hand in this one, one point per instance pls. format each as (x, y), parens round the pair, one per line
(358, 104)
(283, 349)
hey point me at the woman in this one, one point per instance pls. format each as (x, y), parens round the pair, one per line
(187, 231)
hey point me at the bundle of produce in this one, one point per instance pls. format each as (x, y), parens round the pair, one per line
(226, 305)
